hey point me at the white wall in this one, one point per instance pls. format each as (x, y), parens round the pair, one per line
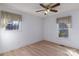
(30, 32)
(51, 31)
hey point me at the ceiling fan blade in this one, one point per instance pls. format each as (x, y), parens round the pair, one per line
(39, 10)
(42, 5)
(57, 4)
(53, 10)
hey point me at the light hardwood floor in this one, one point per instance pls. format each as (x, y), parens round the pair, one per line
(43, 48)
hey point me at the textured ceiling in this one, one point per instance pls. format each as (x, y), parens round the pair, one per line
(32, 7)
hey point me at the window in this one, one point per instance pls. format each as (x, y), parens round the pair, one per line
(10, 21)
(64, 23)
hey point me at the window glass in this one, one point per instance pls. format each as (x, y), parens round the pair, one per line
(13, 25)
(63, 30)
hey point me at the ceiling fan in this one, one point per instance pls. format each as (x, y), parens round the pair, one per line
(49, 8)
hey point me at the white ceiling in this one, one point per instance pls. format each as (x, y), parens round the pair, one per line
(32, 7)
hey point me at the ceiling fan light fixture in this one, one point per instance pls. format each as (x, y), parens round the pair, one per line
(46, 12)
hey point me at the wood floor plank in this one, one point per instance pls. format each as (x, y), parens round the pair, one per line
(43, 48)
